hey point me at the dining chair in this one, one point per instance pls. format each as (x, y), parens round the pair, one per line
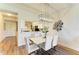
(55, 40)
(37, 34)
(48, 40)
(30, 48)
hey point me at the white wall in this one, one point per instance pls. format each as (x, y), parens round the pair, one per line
(69, 36)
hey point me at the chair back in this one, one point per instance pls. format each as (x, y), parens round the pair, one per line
(27, 40)
(55, 40)
(49, 38)
(32, 47)
(37, 34)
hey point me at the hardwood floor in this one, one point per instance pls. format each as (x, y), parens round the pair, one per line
(9, 47)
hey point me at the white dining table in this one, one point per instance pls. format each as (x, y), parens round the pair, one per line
(38, 40)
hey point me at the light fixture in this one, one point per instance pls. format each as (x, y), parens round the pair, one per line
(9, 14)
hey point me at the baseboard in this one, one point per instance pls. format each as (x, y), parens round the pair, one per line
(70, 50)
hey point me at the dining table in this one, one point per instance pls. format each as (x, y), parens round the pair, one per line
(37, 37)
(38, 40)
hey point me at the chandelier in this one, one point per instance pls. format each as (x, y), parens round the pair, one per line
(45, 17)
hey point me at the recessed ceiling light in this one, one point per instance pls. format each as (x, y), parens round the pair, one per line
(9, 14)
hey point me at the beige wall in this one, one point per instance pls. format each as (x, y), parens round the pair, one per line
(69, 36)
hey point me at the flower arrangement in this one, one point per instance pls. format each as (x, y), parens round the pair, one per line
(58, 25)
(45, 29)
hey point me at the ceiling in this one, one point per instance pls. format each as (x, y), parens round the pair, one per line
(10, 16)
(50, 10)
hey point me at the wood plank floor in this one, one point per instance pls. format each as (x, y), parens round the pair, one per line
(9, 47)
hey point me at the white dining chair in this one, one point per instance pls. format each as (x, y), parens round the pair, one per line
(30, 48)
(47, 45)
(55, 40)
(37, 34)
